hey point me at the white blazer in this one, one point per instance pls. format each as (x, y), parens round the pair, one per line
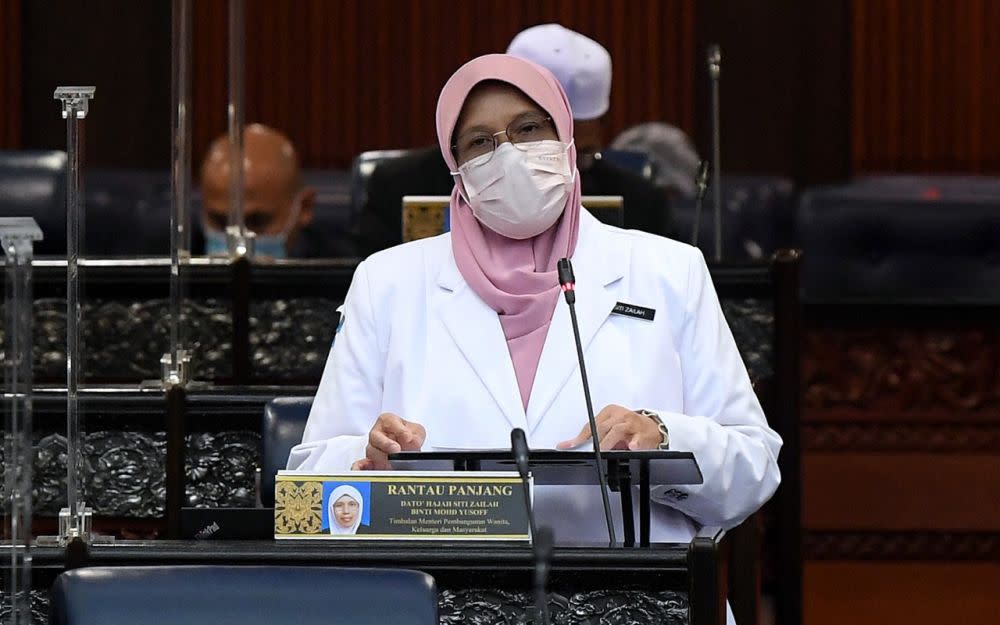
(417, 341)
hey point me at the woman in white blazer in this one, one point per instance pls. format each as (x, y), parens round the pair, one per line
(452, 341)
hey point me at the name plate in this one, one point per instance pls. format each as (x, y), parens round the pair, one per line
(400, 505)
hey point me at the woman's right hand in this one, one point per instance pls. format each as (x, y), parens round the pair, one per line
(390, 434)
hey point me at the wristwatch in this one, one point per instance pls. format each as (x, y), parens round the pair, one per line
(660, 425)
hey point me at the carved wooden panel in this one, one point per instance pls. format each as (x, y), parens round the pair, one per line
(495, 607)
(887, 372)
(39, 607)
(901, 468)
(916, 546)
(123, 472)
(900, 437)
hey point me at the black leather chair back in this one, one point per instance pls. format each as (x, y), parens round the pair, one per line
(33, 184)
(284, 422)
(636, 162)
(361, 170)
(242, 595)
(929, 186)
(899, 244)
(756, 217)
(132, 200)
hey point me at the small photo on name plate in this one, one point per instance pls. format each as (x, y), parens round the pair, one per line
(346, 507)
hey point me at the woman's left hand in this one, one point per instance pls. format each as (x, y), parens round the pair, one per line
(619, 428)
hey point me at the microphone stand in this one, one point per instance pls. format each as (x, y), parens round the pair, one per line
(543, 545)
(714, 69)
(701, 183)
(568, 282)
(541, 538)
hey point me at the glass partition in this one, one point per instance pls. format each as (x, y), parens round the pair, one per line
(175, 365)
(240, 240)
(73, 520)
(17, 235)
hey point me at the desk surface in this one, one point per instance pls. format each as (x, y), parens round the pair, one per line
(443, 555)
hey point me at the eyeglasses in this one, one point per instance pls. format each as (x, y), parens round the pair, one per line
(524, 129)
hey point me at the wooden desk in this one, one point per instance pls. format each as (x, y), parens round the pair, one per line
(655, 584)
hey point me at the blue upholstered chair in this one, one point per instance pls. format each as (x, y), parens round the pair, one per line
(242, 595)
(283, 423)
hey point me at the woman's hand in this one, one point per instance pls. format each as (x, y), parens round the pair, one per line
(389, 435)
(620, 428)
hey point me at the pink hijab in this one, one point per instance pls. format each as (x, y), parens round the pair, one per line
(517, 279)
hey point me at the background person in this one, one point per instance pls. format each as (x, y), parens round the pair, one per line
(276, 205)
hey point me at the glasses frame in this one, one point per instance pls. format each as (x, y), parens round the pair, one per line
(506, 131)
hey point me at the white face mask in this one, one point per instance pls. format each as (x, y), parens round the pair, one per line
(519, 192)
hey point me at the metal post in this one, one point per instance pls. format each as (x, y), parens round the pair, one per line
(240, 241)
(240, 298)
(17, 235)
(714, 69)
(788, 396)
(176, 399)
(74, 520)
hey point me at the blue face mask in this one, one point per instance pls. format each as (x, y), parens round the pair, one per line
(215, 242)
(272, 245)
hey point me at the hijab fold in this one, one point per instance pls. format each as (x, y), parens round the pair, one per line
(516, 278)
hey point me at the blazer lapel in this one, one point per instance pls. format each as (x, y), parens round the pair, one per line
(476, 330)
(599, 264)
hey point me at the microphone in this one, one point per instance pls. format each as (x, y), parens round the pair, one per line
(701, 184)
(541, 538)
(568, 282)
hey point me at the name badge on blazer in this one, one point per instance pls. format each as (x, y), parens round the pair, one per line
(631, 310)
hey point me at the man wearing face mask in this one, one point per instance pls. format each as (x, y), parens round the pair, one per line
(276, 206)
(583, 68)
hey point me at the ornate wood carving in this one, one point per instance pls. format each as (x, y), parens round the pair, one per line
(39, 607)
(896, 438)
(123, 472)
(902, 370)
(901, 546)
